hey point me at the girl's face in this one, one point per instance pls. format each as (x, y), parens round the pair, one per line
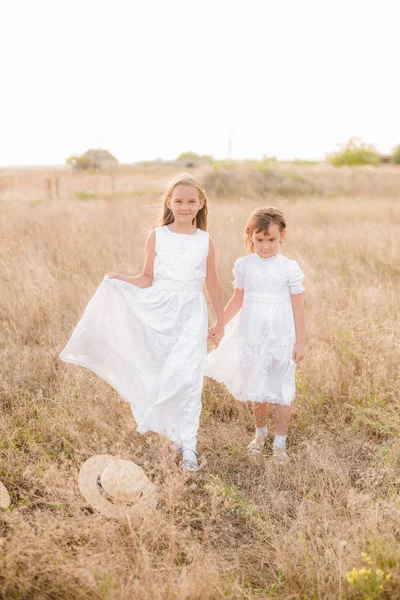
(185, 203)
(267, 244)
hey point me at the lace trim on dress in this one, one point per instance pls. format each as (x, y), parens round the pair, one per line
(268, 259)
(296, 289)
(286, 401)
(259, 398)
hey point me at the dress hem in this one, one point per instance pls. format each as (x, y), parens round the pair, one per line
(140, 428)
(86, 366)
(255, 397)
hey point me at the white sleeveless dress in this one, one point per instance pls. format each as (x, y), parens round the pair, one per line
(150, 344)
(255, 358)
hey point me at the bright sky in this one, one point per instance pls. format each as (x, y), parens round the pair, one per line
(148, 79)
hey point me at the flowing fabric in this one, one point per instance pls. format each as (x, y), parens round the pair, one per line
(150, 344)
(255, 358)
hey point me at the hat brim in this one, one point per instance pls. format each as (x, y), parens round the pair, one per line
(87, 482)
(5, 499)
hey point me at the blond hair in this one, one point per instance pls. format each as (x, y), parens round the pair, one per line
(260, 220)
(185, 179)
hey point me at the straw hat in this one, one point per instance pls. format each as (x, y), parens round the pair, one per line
(117, 488)
(4, 497)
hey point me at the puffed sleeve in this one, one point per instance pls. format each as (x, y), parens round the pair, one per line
(296, 277)
(238, 275)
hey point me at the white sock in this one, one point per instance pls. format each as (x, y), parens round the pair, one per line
(189, 455)
(262, 431)
(280, 441)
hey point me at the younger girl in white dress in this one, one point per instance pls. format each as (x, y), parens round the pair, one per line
(263, 343)
(147, 335)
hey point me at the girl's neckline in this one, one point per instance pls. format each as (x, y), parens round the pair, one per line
(268, 259)
(187, 234)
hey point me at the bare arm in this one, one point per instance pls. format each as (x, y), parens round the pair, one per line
(300, 325)
(214, 292)
(145, 279)
(234, 305)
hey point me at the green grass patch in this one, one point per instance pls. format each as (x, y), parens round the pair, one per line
(84, 195)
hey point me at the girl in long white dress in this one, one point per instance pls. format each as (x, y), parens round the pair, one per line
(147, 335)
(265, 338)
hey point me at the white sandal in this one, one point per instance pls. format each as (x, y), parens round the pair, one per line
(280, 455)
(189, 465)
(257, 445)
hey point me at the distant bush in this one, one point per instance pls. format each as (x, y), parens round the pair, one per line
(190, 156)
(355, 152)
(78, 162)
(396, 155)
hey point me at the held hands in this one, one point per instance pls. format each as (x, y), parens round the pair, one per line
(215, 334)
(299, 352)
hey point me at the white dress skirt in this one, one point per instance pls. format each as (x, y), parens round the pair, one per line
(150, 344)
(255, 358)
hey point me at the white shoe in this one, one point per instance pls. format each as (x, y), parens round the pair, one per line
(257, 445)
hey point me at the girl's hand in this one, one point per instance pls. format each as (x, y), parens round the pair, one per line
(299, 352)
(215, 334)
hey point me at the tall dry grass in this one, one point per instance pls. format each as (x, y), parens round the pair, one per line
(242, 527)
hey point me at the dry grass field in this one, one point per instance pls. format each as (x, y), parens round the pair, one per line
(242, 527)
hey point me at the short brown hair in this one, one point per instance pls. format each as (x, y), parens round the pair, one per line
(260, 220)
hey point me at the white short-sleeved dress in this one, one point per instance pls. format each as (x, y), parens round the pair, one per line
(150, 344)
(255, 358)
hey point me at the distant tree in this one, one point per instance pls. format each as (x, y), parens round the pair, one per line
(396, 155)
(78, 162)
(71, 160)
(355, 152)
(189, 155)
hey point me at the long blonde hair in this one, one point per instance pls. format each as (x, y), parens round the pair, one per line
(260, 220)
(185, 179)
